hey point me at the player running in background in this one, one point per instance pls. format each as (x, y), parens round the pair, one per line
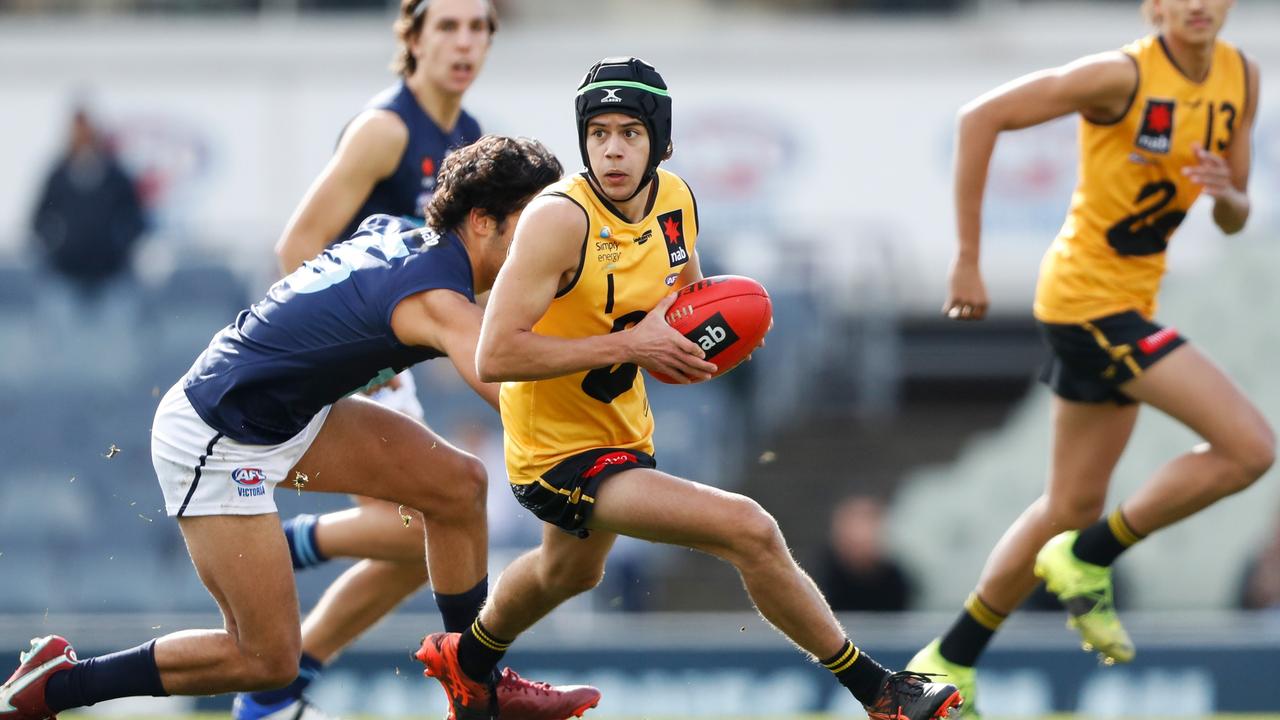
(1163, 120)
(273, 399)
(386, 161)
(567, 330)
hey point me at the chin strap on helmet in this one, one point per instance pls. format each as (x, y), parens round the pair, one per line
(631, 86)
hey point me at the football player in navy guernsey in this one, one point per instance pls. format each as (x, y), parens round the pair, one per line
(386, 162)
(274, 399)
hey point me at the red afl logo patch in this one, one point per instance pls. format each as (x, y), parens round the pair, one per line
(248, 477)
(605, 461)
(1156, 340)
(428, 166)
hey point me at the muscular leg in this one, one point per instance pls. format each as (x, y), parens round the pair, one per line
(244, 561)
(375, 530)
(538, 581)
(362, 448)
(241, 560)
(1088, 440)
(372, 588)
(1240, 444)
(358, 599)
(390, 460)
(397, 465)
(651, 505)
(379, 453)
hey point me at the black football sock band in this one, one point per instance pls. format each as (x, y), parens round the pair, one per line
(856, 670)
(971, 632)
(1102, 542)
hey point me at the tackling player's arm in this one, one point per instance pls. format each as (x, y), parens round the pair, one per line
(446, 321)
(369, 151)
(1226, 180)
(544, 257)
(1099, 87)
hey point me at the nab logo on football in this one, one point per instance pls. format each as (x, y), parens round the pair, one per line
(250, 482)
(713, 335)
(1156, 134)
(672, 226)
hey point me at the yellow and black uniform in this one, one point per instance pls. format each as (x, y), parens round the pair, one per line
(1096, 296)
(564, 435)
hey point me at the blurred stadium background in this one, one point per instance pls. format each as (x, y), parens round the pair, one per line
(817, 134)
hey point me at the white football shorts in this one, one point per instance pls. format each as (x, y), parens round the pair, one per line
(203, 472)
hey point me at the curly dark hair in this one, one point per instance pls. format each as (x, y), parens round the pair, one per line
(407, 26)
(496, 174)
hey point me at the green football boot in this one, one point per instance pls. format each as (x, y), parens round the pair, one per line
(1085, 589)
(930, 661)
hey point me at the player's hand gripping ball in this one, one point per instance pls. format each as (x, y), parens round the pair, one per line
(726, 315)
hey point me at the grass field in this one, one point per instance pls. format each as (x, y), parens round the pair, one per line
(1066, 716)
(223, 716)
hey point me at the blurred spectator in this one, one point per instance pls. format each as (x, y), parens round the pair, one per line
(1260, 589)
(855, 573)
(89, 216)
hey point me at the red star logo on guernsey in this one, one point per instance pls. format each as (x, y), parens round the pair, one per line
(1158, 119)
(671, 229)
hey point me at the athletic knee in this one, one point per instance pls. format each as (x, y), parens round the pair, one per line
(571, 578)
(268, 668)
(473, 481)
(755, 533)
(278, 673)
(1255, 455)
(1075, 513)
(1260, 454)
(462, 496)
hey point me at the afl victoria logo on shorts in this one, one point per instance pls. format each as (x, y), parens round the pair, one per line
(713, 335)
(250, 482)
(672, 226)
(1156, 132)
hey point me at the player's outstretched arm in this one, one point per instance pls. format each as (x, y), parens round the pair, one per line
(369, 151)
(446, 321)
(1099, 87)
(1226, 180)
(544, 258)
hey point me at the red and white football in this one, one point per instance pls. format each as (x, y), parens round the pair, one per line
(726, 315)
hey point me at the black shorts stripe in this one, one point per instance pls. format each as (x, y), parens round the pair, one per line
(196, 480)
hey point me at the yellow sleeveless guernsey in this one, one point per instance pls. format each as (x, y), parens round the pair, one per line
(626, 268)
(1131, 195)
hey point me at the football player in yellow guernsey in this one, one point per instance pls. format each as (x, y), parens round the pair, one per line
(577, 311)
(1163, 120)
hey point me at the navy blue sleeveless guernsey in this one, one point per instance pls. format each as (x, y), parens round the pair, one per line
(323, 331)
(407, 191)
